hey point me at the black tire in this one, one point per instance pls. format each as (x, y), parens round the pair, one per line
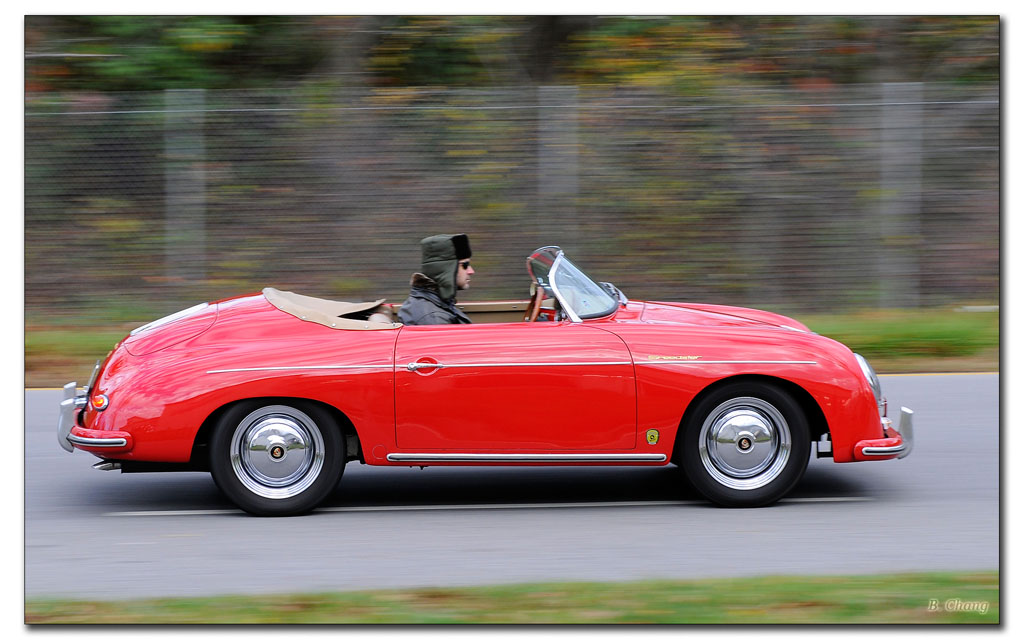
(745, 444)
(276, 458)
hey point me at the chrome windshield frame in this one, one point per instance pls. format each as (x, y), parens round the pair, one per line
(576, 279)
(569, 311)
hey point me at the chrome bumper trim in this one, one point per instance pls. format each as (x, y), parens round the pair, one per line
(906, 431)
(67, 415)
(526, 457)
(98, 442)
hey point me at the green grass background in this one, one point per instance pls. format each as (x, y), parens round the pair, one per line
(875, 599)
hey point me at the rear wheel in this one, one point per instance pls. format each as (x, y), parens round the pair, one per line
(746, 445)
(276, 459)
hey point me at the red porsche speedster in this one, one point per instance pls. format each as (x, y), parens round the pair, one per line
(275, 393)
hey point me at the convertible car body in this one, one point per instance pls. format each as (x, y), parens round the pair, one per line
(274, 393)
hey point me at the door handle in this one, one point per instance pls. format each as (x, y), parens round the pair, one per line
(416, 366)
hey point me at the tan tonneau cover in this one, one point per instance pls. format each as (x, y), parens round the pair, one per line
(328, 312)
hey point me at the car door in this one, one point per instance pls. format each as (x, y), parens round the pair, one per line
(543, 386)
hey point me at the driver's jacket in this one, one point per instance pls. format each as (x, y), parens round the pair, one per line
(425, 306)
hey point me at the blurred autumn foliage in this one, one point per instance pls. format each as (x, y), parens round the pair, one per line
(680, 53)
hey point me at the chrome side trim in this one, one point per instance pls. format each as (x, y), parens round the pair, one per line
(526, 457)
(693, 362)
(305, 368)
(414, 366)
(98, 442)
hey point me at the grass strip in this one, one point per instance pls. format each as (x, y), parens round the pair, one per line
(86, 342)
(921, 598)
(891, 334)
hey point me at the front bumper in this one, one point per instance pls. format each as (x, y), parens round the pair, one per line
(896, 443)
(70, 435)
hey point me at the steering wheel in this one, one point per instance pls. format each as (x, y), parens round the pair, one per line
(536, 297)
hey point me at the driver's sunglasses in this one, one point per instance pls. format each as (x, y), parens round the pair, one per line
(464, 264)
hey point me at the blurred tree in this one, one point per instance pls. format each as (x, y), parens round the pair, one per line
(476, 50)
(137, 53)
(688, 52)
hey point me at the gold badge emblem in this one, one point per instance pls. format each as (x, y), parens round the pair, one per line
(652, 436)
(673, 357)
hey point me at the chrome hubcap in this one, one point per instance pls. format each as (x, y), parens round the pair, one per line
(277, 452)
(745, 443)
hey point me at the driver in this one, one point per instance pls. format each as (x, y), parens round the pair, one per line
(445, 269)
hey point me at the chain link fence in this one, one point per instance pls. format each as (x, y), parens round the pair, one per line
(790, 199)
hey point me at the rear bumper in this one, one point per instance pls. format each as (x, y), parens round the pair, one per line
(896, 443)
(71, 436)
(70, 405)
(100, 441)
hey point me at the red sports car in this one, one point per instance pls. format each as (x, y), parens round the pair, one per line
(274, 393)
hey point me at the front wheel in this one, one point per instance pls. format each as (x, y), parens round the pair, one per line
(745, 445)
(276, 459)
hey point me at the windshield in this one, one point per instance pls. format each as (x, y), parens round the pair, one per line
(579, 296)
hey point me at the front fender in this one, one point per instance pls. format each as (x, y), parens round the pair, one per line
(674, 366)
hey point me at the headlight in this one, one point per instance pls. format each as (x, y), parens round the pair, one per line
(873, 382)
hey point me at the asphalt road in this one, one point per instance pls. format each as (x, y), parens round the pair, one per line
(105, 535)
